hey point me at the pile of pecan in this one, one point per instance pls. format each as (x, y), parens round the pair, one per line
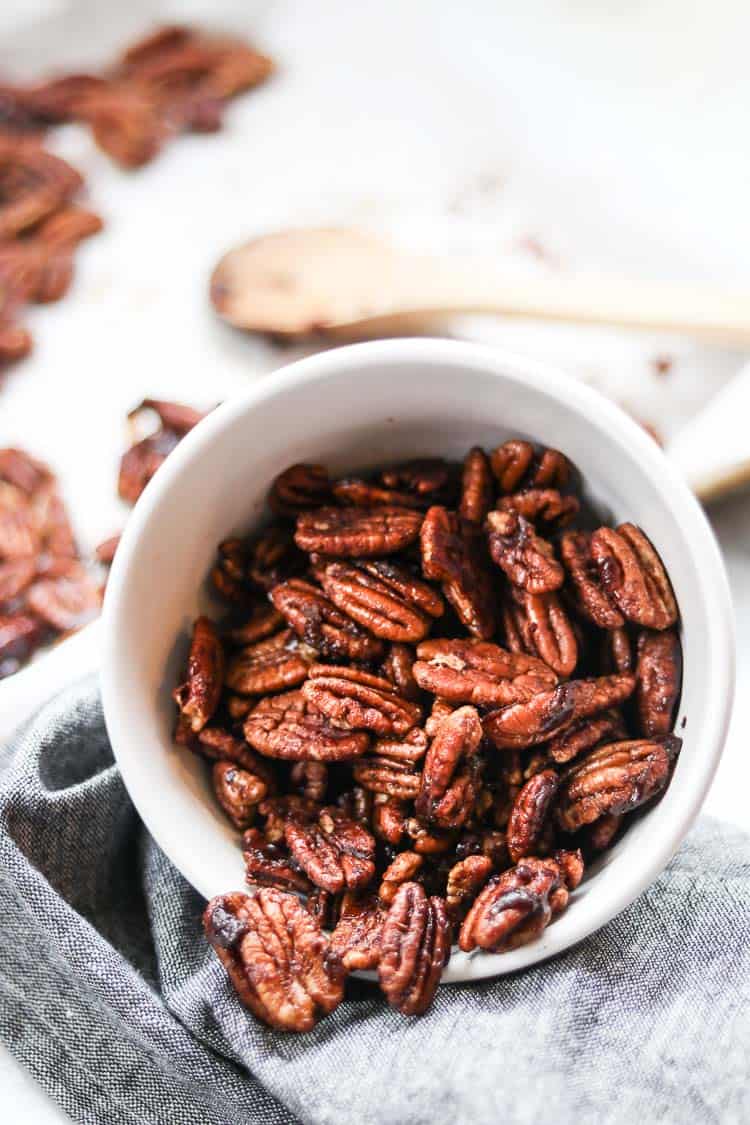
(45, 589)
(431, 702)
(176, 79)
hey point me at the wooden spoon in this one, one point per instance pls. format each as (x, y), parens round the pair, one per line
(346, 284)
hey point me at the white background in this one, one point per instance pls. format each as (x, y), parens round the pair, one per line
(613, 136)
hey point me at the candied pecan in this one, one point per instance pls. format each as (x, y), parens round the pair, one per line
(440, 710)
(310, 779)
(411, 748)
(383, 597)
(385, 775)
(270, 864)
(465, 879)
(551, 712)
(274, 664)
(584, 735)
(658, 678)
(403, 869)
(633, 576)
(528, 561)
(617, 651)
(264, 621)
(590, 598)
(538, 625)
(324, 907)
(514, 907)
(356, 939)
(221, 745)
(358, 532)
(449, 776)
(353, 699)
(334, 853)
(276, 957)
(510, 463)
(529, 818)
(269, 558)
(66, 601)
(277, 810)
(495, 847)
(616, 778)
(33, 184)
(478, 672)
(299, 488)
(570, 862)
(477, 487)
(452, 554)
(141, 461)
(356, 803)
(429, 840)
(388, 819)
(398, 668)
(600, 834)
(198, 697)
(432, 480)
(317, 622)
(125, 121)
(238, 792)
(544, 506)
(289, 726)
(414, 949)
(365, 494)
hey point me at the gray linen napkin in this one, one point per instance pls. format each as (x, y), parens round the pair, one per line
(110, 997)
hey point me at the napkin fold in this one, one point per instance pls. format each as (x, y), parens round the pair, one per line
(111, 998)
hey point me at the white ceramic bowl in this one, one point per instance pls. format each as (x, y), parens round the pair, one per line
(356, 407)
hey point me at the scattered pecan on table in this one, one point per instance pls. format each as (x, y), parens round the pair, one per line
(430, 700)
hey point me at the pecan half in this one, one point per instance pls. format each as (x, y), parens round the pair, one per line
(198, 697)
(516, 465)
(414, 949)
(274, 664)
(601, 834)
(514, 907)
(398, 668)
(274, 557)
(617, 651)
(402, 870)
(465, 880)
(551, 712)
(264, 621)
(276, 956)
(538, 625)
(632, 575)
(289, 726)
(431, 479)
(323, 627)
(388, 819)
(335, 853)
(528, 560)
(616, 778)
(410, 749)
(384, 775)
(238, 792)
(269, 864)
(298, 489)
(310, 779)
(384, 598)
(584, 735)
(477, 487)
(356, 939)
(452, 554)
(590, 598)
(450, 775)
(477, 672)
(356, 700)
(545, 506)
(529, 819)
(220, 745)
(66, 601)
(658, 679)
(357, 532)
(365, 494)
(144, 457)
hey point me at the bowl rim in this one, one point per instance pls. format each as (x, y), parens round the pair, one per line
(548, 379)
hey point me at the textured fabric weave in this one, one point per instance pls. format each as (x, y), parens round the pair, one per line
(110, 997)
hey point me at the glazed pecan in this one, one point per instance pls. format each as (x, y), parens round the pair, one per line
(398, 668)
(584, 735)
(410, 749)
(543, 506)
(658, 679)
(221, 745)
(538, 625)
(403, 869)
(323, 627)
(33, 184)
(365, 494)
(477, 487)
(269, 864)
(356, 700)
(528, 561)
(67, 600)
(450, 774)
(414, 949)
(440, 710)
(335, 853)
(477, 672)
(514, 907)
(264, 621)
(238, 792)
(275, 664)
(310, 779)
(384, 598)
(274, 557)
(600, 835)
(616, 778)
(276, 956)
(590, 598)
(432, 480)
(356, 803)
(465, 879)
(198, 697)
(298, 489)
(385, 775)
(617, 651)
(388, 819)
(356, 939)
(632, 575)
(141, 461)
(529, 820)
(289, 726)
(452, 554)
(550, 713)
(516, 465)
(277, 810)
(357, 532)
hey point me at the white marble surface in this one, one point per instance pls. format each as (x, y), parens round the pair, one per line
(606, 134)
